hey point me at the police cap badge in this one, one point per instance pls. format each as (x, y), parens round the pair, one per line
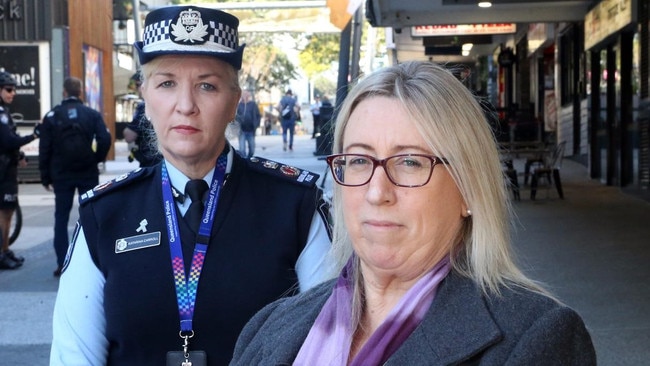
(190, 30)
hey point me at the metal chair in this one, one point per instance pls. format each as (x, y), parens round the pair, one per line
(513, 182)
(549, 169)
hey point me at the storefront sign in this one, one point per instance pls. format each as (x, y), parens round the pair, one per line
(462, 29)
(539, 34)
(23, 63)
(10, 10)
(606, 18)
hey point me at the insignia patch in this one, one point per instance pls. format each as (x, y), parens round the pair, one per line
(4, 119)
(306, 176)
(284, 171)
(101, 186)
(121, 177)
(289, 170)
(270, 164)
(120, 181)
(88, 194)
(137, 242)
(188, 27)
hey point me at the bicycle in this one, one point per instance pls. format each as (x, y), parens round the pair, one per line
(16, 225)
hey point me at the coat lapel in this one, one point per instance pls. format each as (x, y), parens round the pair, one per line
(457, 327)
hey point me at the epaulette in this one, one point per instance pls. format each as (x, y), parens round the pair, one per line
(113, 184)
(284, 171)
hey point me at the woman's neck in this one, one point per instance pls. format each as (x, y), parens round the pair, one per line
(195, 168)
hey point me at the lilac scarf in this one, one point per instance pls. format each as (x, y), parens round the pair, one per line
(330, 338)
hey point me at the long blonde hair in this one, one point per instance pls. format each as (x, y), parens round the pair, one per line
(450, 119)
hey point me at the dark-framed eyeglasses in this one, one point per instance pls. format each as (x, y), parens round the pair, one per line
(403, 170)
(9, 89)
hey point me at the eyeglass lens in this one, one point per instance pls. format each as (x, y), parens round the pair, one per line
(403, 170)
(10, 90)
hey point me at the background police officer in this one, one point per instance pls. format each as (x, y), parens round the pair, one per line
(74, 171)
(10, 158)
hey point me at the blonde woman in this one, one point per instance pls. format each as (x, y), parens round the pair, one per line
(425, 274)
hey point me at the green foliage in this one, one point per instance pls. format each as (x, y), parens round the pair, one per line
(264, 67)
(321, 51)
(324, 86)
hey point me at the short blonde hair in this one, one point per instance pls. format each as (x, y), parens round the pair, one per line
(452, 122)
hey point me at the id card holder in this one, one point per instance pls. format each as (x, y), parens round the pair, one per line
(177, 358)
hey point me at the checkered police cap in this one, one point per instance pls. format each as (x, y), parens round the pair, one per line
(190, 30)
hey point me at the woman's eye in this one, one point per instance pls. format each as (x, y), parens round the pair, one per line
(409, 162)
(166, 84)
(358, 161)
(207, 87)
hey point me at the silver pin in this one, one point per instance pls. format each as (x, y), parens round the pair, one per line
(143, 226)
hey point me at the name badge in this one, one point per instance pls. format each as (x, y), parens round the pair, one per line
(137, 242)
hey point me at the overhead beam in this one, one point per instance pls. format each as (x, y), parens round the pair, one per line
(391, 13)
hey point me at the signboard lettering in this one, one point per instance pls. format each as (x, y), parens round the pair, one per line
(462, 29)
(10, 10)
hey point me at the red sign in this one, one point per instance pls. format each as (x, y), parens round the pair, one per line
(462, 29)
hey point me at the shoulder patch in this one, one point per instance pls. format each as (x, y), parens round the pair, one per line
(50, 114)
(284, 171)
(116, 183)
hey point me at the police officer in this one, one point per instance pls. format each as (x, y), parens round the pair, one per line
(138, 134)
(158, 286)
(10, 158)
(66, 169)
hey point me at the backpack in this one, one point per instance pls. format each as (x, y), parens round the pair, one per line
(72, 145)
(286, 112)
(248, 116)
(287, 109)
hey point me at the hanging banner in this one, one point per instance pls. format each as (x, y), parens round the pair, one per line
(341, 11)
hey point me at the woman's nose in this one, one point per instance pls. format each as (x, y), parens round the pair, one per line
(185, 103)
(380, 188)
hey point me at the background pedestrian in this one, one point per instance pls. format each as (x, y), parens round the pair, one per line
(249, 118)
(288, 116)
(315, 115)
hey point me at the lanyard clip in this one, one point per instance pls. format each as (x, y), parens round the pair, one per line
(186, 345)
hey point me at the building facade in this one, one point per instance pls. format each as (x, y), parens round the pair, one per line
(42, 43)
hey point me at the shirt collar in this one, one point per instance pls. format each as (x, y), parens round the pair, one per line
(179, 180)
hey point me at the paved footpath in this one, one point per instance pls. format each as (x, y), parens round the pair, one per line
(590, 249)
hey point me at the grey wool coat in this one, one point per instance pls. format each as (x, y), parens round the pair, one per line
(462, 327)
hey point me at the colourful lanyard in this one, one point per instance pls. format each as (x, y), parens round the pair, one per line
(186, 286)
